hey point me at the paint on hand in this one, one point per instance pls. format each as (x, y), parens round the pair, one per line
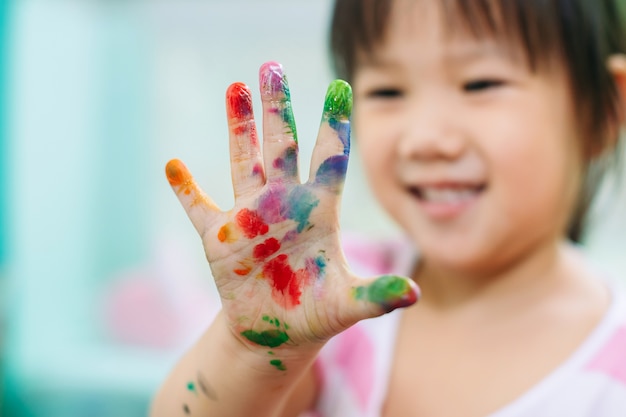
(227, 233)
(192, 387)
(286, 283)
(338, 102)
(332, 172)
(270, 338)
(272, 204)
(389, 291)
(275, 88)
(186, 409)
(178, 176)
(288, 162)
(239, 102)
(251, 223)
(278, 364)
(243, 271)
(266, 249)
(301, 203)
(277, 205)
(316, 267)
(257, 170)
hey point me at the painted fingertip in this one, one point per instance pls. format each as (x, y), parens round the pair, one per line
(389, 291)
(239, 101)
(338, 102)
(177, 173)
(272, 79)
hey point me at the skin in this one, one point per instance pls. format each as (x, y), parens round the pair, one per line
(467, 113)
(275, 257)
(261, 346)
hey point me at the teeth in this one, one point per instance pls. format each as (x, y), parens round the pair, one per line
(447, 195)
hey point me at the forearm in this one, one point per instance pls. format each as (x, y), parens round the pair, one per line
(220, 376)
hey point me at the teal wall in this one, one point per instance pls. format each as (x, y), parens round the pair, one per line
(4, 42)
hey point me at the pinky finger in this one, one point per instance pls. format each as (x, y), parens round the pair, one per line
(199, 206)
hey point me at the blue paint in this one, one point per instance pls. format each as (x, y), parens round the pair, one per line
(342, 127)
(289, 162)
(332, 171)
(301, 203)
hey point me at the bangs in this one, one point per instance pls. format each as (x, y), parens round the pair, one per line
(542, 30)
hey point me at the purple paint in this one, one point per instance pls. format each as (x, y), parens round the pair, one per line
(271, 78)
(332, 171)
(272, 204)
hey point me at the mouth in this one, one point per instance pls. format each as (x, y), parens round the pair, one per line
(447, 194)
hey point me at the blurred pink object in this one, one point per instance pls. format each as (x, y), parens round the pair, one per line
(164, 304)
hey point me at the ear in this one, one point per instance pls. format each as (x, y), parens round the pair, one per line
(616, 65)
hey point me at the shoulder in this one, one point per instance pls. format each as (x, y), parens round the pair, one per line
(609, 358)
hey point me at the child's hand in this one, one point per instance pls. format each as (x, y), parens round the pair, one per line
(276, 256)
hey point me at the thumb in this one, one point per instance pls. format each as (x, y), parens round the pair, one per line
(377, 296)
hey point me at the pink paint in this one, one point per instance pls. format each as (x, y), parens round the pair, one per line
(257, 170)
(271, 204)
(610, 360)
(266, 249)
(251, 223)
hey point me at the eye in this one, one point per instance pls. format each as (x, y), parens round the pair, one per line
(477, 86)
(385, 93)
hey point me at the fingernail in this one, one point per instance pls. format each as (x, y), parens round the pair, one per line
(239, 101)
(176, 172)
(338, 103)
(271, 79)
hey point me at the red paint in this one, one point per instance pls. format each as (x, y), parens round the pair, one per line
(239, 102)
(251, 223)
(266, 249)
(284, 280)
(240, 129)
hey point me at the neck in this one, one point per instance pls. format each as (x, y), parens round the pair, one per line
(534, 277)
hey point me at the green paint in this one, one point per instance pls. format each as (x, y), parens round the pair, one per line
(390, 291)
(191, 387)
(287, 111)
(273, 321)
(338, 103)
(270, 338)
(278, 364)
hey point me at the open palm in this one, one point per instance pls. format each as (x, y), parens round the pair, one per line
(276, 256)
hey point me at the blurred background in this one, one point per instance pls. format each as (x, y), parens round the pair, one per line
(103, 282)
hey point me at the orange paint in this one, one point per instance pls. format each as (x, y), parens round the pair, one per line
(222, 235)
(178, 176)
(177, 173)
(227, 233)
(242, 271)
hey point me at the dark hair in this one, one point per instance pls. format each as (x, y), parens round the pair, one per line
(582, 33)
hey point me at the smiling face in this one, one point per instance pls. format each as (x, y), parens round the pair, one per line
(470, 151)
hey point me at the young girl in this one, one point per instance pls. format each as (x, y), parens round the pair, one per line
(484, 127)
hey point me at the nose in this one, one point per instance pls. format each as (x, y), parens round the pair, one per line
(430, 133)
